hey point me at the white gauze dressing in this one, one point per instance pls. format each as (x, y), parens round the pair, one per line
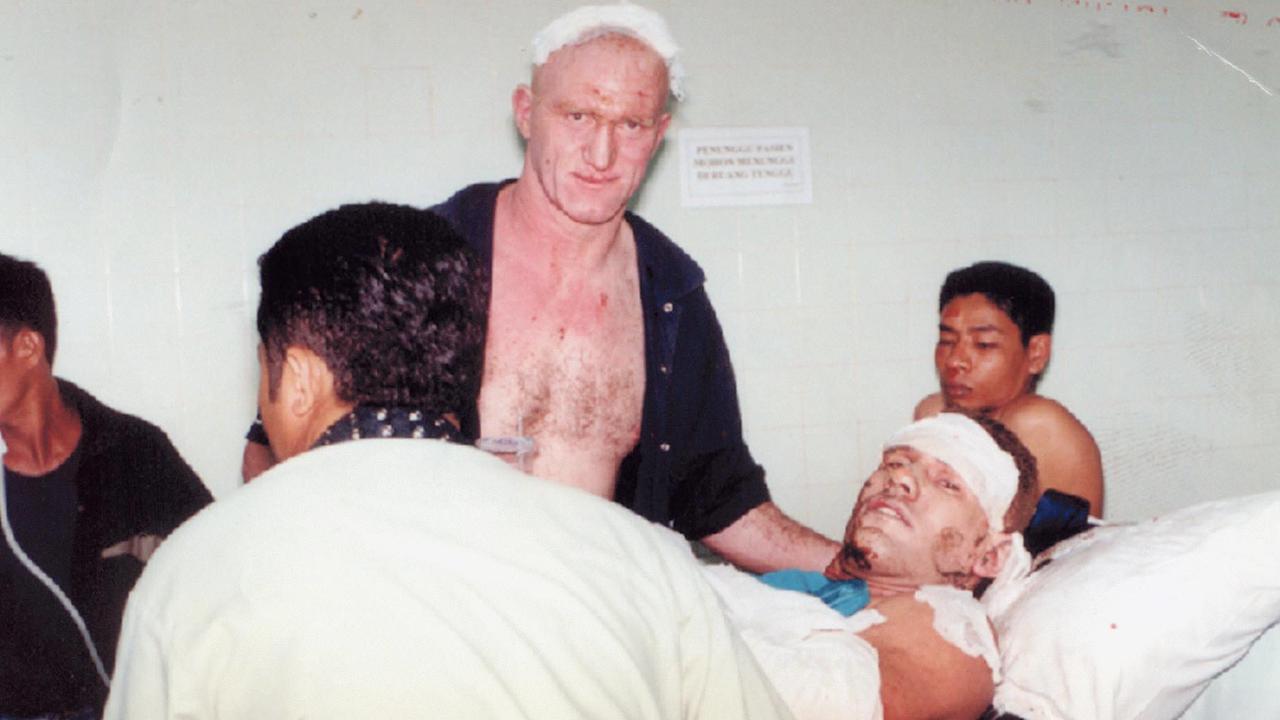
(958, 441)
(591, 21)
(992, 476)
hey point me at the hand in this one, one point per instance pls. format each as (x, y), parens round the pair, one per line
(140, 546)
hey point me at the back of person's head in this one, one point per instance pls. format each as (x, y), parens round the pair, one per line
(389, 296)
(1023, 504)
(26, 301)
(1020, 293)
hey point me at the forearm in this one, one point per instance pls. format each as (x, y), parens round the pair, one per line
(766, 539)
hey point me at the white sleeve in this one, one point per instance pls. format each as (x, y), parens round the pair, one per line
(719, 676)
(138, 684)
(811, 654)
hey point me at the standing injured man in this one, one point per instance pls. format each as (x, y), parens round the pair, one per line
(936, 522)
(605, 367)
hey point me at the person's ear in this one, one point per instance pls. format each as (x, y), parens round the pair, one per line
(522, 108)
(307, 381)
(664, 123)
(1039, 348)
(994, 554)
(28, 346)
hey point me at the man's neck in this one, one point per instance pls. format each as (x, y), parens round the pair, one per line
(545, 231)
(881, 588)
(41, 431)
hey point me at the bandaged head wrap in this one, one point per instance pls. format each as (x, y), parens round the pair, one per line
(958, 441)
(591, 21)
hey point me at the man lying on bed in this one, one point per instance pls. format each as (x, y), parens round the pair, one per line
(382, 569)
(936, 520)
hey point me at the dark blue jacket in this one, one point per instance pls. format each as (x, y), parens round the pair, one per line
(691, 469)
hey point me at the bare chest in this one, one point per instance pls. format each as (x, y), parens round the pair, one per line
(564, 365)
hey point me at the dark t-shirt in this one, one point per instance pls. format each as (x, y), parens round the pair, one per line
(44, 663)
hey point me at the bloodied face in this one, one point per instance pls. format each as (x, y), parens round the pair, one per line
(916, 523)
(593, 118)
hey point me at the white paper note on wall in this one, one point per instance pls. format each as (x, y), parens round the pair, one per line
(745, 166)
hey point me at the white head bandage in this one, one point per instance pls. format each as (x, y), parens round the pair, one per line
(591, 21)
(969, 449)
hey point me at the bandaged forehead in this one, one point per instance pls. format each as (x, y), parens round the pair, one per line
(592, 21)
(958, 441)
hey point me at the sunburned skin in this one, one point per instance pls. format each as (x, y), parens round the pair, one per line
(564, 362)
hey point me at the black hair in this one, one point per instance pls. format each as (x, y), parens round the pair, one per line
(1020, 293)
(1023, 504)
(26, 301)
(389, 296)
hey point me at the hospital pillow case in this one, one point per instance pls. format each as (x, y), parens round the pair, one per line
(1133, 621)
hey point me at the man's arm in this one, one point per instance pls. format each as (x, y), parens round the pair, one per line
(256, 460)
(1067, 457)
(922, 675)
(766, 539)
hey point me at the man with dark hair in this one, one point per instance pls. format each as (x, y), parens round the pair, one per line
(88, 494)
(994, 343)
(384, 568)
(605, 366)
(933, 525)
(391, 319)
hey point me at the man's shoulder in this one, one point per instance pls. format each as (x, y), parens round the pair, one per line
(107, 426)
(471, 212)
(1039, 416)
(673, 269)
(930, 404)
(472, 200)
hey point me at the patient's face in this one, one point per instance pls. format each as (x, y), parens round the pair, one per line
(981, 361)
(916, 522)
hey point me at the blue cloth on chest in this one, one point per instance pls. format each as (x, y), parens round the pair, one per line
(844, 596)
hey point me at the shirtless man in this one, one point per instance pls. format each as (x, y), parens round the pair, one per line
(605, 367)
(994, 343)
(939, 517)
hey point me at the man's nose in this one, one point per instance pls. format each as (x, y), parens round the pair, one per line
(601, 149)
(902, 482)
(958, 357)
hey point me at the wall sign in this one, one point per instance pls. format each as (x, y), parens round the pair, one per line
(745, 166)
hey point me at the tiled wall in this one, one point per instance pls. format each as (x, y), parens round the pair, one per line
(151, 150)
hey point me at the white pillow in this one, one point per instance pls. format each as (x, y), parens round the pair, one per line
(1132, 621)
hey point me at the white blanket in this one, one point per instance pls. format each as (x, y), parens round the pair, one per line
(813, 655)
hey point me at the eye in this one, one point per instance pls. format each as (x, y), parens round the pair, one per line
(577, 116)
(986, 345)
(948, 483)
